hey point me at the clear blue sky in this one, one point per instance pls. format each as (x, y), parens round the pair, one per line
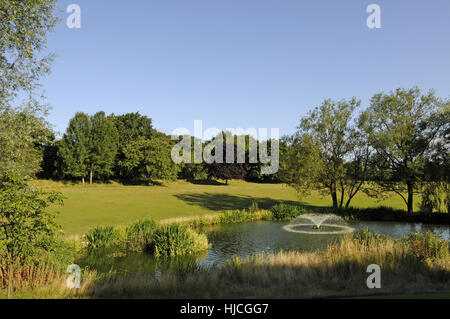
(241, 63)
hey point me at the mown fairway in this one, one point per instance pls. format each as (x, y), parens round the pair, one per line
(103, 204)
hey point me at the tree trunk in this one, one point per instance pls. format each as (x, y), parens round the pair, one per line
(10, 270)
(90, 177)
(410, 196)
(335, 200)
(342, 196)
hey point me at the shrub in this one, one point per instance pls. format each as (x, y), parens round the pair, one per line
(139, 235)
(102, 237)
(366, 238)
(176, 240)
(284, 212)
(429, 245)
(236, 216)
(436, 197)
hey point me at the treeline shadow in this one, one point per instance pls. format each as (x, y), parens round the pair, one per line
(223, 201)
(206, 182)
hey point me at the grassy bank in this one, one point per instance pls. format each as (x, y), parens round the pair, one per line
(416, 264)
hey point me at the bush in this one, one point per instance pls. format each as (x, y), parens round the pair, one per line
(284, 212)
(139, 236)
(102, 237)
(236, 216)
(366, 238)
(429, 245)
(176, 240)
(436, 197)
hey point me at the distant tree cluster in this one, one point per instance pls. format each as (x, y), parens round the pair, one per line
(127, 148)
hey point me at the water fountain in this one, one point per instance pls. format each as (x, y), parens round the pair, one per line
(317, 225)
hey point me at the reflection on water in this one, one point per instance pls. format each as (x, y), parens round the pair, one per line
(244, 240)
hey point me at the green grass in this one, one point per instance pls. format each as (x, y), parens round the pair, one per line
(115, 204)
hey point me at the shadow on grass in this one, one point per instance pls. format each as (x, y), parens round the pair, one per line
(206, 182)
(220, 202)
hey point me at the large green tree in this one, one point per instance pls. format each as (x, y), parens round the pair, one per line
(130, 127)
(149, 159)
(89, 146)
(103, 146)
(74, 148)
(403, 127)
(327, 153)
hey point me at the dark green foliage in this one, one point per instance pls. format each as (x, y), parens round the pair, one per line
(74, 148)
(285, 212)
(102, 237)
(103, 146)
(176, 240)
(149, 159)
(130, 127)
(390, 214)
(89, 146)
(221, 167)
(139, 235)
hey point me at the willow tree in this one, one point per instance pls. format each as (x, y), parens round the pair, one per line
(23, 29)
(403, 128)
(327, 153)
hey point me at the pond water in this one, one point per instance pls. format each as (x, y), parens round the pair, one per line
(244, 240)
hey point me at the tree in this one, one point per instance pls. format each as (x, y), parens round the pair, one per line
(327, 153)
(104, 142)
(195, 169)
(402, 128)
(75, 147)
(24, 221)
(23, 29)
(23, 131)
(149, 158)
(130, 127)
(89, 146)
(220, 167)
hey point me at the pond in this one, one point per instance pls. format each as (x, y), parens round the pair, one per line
(246, 239)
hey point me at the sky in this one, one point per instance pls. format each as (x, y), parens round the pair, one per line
(241, 63)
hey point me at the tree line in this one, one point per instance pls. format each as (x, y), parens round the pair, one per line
(127, 148)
